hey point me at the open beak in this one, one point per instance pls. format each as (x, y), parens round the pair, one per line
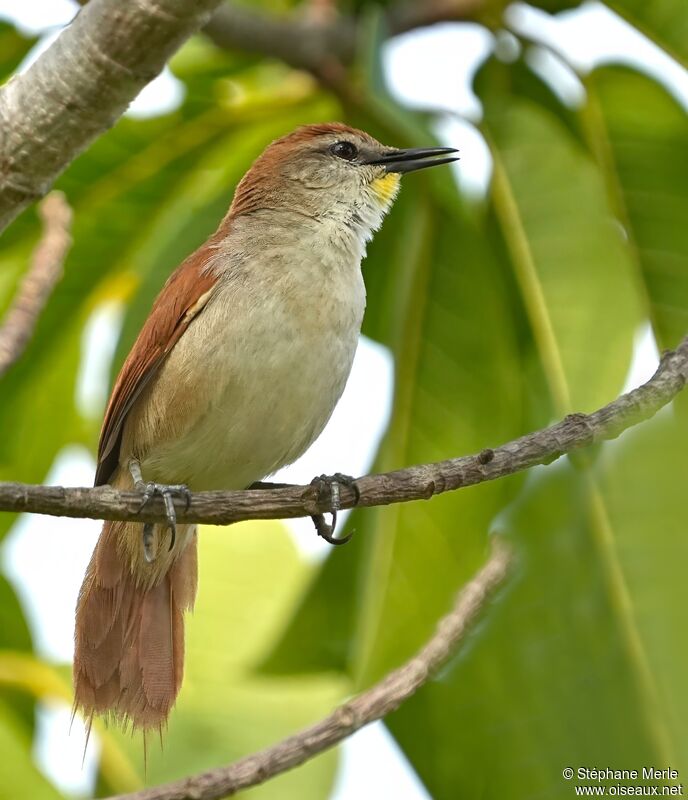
(413, 158)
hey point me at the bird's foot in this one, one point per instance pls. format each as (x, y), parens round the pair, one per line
(328, 486)
(168, 494)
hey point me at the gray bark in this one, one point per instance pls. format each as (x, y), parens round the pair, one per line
(79, 87)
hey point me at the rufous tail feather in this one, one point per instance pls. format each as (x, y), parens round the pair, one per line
(129, 637)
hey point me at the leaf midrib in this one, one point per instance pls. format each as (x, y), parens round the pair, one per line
(543, 332)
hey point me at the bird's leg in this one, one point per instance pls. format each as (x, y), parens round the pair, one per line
(325, 484)
(330, 484)
(168, 493)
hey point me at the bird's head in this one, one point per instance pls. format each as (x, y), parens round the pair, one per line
(331, 171)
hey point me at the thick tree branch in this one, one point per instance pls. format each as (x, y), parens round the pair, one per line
(313, 43)
(413, 483)
(80, 86)
(45, 271)
(373, 704)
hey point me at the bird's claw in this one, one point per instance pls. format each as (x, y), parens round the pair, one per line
(148, 543)
(168, 493)
(330, 484)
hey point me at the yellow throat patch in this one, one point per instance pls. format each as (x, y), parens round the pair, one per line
(386, 188)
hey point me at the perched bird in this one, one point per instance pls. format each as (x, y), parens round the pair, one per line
(234, 374)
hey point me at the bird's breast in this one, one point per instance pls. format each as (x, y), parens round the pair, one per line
(261, 371)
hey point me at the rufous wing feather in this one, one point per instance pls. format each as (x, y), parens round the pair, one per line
(181, 300)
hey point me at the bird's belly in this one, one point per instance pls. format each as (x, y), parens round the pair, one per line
(268, 417)
(262, 394)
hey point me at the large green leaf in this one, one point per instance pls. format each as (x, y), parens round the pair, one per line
(458, 389)
(563, 651)
(14, 47)
(643, 484)
(517, 81)
(581, 660)
(664, 21)
(250, 577)
(553, 679)
(19, 776)
(38, 418)
(23, 673)
(641, 149)
(15, 635)
(572, 267)
(554, 6)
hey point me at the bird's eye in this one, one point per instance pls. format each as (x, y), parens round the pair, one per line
(344, 150)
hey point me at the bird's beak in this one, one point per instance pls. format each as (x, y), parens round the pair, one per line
(413, 158)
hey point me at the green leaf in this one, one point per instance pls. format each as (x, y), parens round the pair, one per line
(516, 80)
(319, 635)
(38, 680)
(14, 631)
(19, 776)
(112, 189)
(548, 680)
(643, 483)
(29, 415)
(663, 21)
(13, 48)
(641, 150)
(572, 267)
(456, 363)
(15, 635)
(579, 662)
(554, 6)
(561, 652)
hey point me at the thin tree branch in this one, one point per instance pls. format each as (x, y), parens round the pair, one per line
(413, 483)
(78, 88)
(314, 42)
(381, 699)
(300, 41)
(43, 274)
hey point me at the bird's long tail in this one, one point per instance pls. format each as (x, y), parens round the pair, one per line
(129, 637)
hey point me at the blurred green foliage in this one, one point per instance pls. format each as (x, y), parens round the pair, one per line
(501, 315)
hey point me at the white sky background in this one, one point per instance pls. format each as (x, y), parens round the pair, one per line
(430, 69)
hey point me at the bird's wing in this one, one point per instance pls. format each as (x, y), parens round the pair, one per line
(181, 300)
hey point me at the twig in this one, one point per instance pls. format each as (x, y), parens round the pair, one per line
(413, 483)
(375, 703)
(78, 88)
(312, 42)
(300, 41)
(44, 273)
